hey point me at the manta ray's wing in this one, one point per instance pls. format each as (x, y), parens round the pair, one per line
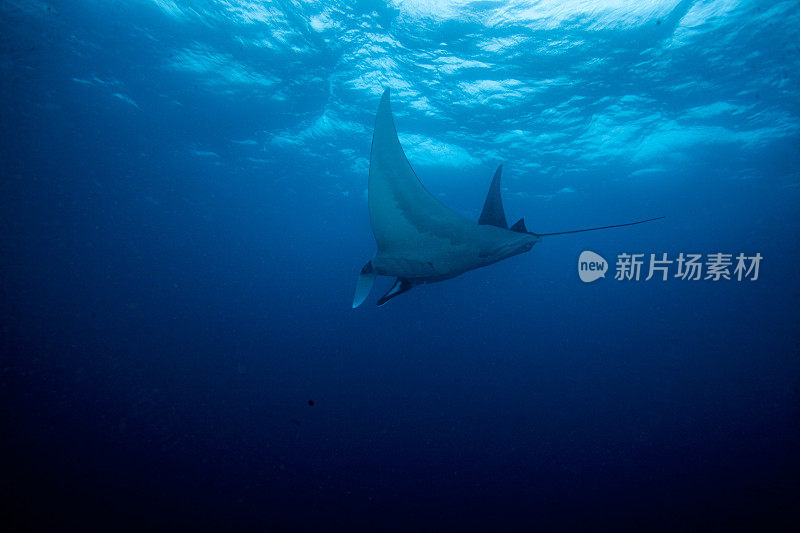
(405, 217)
(493, 213)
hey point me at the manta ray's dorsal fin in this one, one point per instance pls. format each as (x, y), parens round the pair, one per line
(493, 213)
(405, 217)
(519, 226)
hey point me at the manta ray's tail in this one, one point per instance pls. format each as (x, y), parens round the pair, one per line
(494, 215)
(592, 229)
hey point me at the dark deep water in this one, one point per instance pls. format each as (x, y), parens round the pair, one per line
(183, 216)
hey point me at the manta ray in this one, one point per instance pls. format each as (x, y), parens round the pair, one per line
(420, 240)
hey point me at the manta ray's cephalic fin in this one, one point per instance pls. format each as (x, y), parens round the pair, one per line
(366, 278)
(493, 213)
(400, 286)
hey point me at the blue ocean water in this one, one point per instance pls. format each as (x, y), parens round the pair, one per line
(184, 215)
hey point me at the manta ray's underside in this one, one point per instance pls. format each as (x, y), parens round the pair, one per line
(419, 239)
